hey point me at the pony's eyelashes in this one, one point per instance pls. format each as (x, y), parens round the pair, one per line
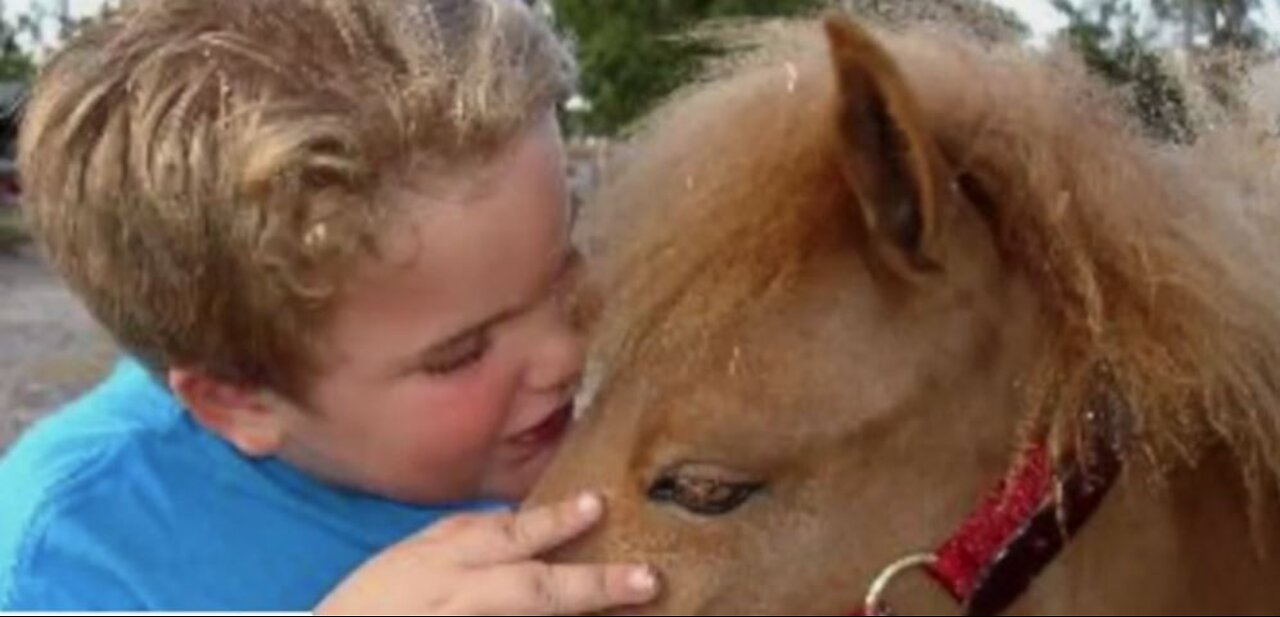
(703, 490)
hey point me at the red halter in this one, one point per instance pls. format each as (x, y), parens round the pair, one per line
(1017, 530)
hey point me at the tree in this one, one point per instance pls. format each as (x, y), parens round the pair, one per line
(1214, 24)
(633, 53)
(16, 62)
(1110, 38)
(1221, 40)
(1217, 43)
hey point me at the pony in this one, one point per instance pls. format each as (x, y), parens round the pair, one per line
(895, 320)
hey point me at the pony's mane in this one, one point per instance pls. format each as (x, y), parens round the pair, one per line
(1157, 266)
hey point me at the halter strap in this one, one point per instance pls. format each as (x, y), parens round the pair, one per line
(1019, 528)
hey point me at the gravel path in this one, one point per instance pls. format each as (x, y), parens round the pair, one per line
(50, 349)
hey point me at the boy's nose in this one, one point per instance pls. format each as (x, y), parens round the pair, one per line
(559, 359)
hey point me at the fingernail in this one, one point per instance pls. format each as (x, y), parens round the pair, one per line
(643, 581)
(590, 506)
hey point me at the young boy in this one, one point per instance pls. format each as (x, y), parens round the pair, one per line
(331, 235)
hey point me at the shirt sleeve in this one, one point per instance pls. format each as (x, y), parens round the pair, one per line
(62, 566)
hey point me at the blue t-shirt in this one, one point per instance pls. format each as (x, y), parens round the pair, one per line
(122, 502)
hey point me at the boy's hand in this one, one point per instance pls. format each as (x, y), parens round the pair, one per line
(487, 565)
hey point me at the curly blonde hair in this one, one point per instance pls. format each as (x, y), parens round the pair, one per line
(205, 173)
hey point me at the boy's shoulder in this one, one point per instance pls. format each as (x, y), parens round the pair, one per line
(68, 450)
(73, 482)
(122, 502)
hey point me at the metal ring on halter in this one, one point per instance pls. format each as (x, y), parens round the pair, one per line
(874, 604)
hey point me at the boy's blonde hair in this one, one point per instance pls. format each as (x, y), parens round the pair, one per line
(205, 172)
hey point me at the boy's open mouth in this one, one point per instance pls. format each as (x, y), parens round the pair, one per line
(548, 431)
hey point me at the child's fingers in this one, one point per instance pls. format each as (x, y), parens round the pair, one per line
(538, 589)
(521, 536)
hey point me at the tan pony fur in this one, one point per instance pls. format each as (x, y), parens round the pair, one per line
(1157, 262)
(844, 285)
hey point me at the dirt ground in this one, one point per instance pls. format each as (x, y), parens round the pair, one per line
(50, 349)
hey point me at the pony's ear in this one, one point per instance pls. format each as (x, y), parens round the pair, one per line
(891, 163)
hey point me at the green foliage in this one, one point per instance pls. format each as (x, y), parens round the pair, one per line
(1218, 39)
(1108, 35)
(633, 53)
(16, 63)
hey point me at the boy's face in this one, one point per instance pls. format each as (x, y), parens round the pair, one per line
(454, 362)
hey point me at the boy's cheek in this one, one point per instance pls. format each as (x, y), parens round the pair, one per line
(472, 412)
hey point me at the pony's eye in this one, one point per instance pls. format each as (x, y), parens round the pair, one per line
(703, 491)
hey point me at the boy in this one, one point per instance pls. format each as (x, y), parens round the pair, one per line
(331, 235)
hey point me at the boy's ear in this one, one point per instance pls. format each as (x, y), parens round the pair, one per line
(240, 414)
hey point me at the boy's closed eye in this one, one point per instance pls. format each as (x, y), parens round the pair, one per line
(457, 354)
(469, 347)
